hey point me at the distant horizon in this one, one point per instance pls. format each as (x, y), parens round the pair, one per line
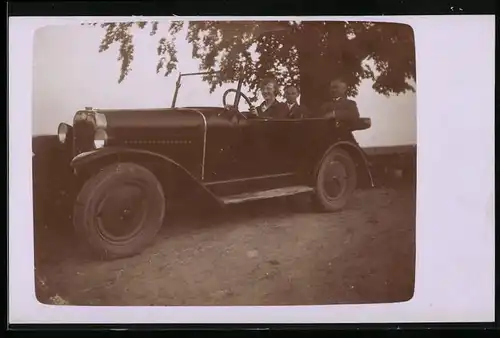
(70, 74)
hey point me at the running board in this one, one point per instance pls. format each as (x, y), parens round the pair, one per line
(259, 195)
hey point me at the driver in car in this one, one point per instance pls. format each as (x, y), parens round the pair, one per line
(270, 107)
(339, 107)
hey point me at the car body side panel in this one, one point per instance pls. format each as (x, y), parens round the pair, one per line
(240, 148)
(224, 158)
(178, 134)
(217, 146)
(237, 148)
(102, 155)
(292, 143)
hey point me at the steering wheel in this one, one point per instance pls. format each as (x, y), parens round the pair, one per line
(241, 94)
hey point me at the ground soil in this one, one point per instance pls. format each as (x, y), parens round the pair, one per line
(273, 252)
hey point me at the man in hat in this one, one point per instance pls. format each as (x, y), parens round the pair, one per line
(339, 107)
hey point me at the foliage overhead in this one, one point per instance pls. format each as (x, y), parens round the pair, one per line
(308, 53)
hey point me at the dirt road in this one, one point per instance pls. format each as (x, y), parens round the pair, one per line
(263, 253)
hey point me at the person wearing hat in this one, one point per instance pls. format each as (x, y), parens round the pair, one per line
(339, 106)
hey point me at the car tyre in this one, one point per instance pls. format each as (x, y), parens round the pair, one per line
(119, 210)
(336, 180)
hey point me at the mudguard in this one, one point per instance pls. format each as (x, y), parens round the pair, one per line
(358, 155)
(51, 176)
(101, 155)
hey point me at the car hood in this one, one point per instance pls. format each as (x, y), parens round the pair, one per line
(160, 118)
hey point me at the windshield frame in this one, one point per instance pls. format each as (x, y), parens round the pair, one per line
(218, 72)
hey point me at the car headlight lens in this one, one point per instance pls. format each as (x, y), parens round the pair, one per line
(100, 138)
(62, 132)
(100, 120)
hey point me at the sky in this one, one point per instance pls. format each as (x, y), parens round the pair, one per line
(69, 74)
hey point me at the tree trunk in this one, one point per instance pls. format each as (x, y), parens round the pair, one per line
(314, 71)
(319, 64)
(310, 67)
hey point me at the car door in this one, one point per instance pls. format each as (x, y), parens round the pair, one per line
(257, 147)
(284, 140)
(255, 151)
(278, 144)
(236, 148)
(294, 143)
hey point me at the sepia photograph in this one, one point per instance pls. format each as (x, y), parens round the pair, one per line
(249, 163)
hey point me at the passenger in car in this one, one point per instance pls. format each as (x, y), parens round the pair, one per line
(270, 107)
(339, 107)
(295, 111)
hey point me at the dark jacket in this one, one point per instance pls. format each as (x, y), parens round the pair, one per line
(297, 111)
(276, 110)
(344, 108)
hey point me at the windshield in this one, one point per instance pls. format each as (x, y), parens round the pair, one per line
(195, 92)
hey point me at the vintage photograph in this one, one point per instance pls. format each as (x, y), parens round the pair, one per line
(223, 163)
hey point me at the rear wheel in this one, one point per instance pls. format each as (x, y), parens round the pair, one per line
(119, 210)
(335, 180)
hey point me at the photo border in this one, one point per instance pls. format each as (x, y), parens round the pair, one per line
(428, 111)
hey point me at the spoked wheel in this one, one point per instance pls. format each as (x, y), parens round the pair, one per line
(335, 181)
(120, 210)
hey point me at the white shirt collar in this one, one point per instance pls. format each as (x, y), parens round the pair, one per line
(264, 105)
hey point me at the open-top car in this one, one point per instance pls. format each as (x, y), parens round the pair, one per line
(128, 164)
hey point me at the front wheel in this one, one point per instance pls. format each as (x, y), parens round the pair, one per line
(335, 180)
(119, 210)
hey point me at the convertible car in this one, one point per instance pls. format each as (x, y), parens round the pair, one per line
(125, 165)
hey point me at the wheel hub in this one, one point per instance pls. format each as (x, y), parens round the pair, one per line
(121, 213)
(126, 214)
(335, 181)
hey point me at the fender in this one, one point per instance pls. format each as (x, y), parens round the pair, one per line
(51, 178)
(356, 152)
(96, 156)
